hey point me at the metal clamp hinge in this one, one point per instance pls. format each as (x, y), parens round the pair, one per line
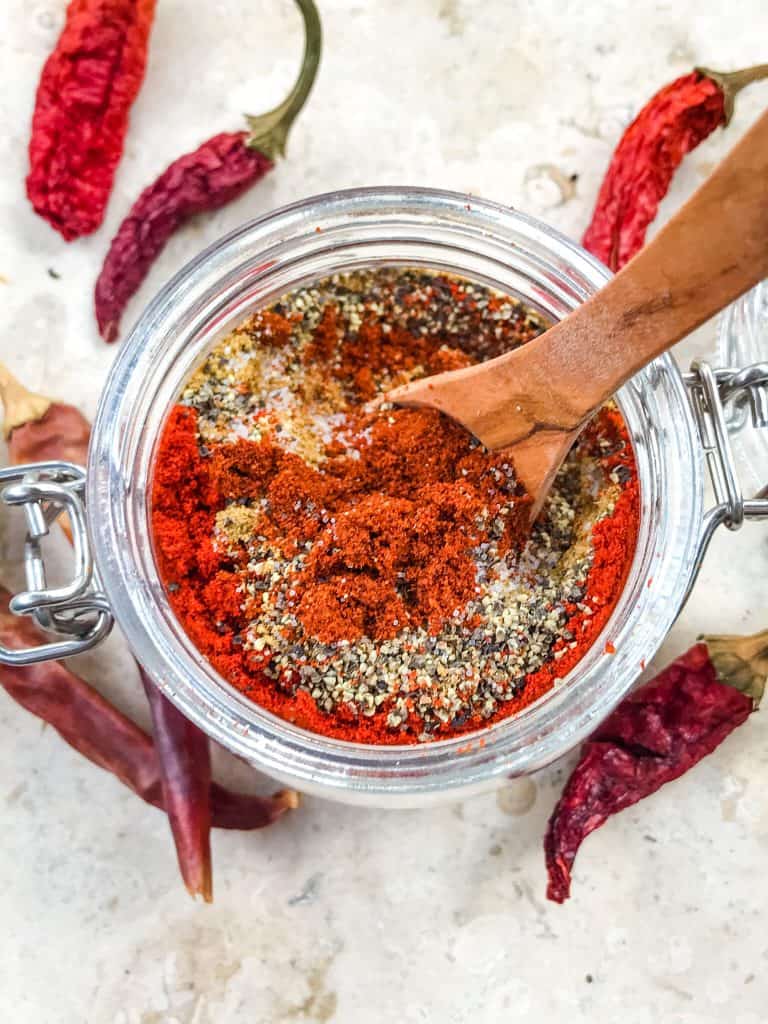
(78, 612)
(723, 401)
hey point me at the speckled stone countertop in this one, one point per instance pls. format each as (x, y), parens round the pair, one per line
(339, 914)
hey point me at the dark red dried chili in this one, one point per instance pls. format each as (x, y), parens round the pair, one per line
(215, 173)
(81, 716)
(245, 812)
(185, 759)
(57, 431)
(209, 177)
(86, 90)
(98, 731)
(671, 124)
(654, 736)
(38, 429)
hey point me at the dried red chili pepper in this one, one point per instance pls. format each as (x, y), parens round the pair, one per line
(37, 429)
(83, 718)
(671, 124)
(245, 812)
(98, 731)
(209, 177)
(186, 772)
(86, 90)
(654, 736)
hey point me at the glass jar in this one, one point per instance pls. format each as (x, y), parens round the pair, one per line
(252, 267)
(742, 341)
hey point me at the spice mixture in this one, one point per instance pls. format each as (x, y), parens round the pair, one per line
(366, 571)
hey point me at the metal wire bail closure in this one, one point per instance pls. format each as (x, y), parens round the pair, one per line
(78, 612)
(723, 401)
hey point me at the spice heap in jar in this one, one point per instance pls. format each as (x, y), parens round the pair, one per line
(364, 571)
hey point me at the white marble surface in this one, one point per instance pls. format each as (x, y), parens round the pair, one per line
(339, 914)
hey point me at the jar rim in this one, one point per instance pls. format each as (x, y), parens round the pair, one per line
(478, 239)
(743, 341)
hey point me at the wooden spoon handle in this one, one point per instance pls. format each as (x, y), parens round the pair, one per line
(709, 253)
(714, 249)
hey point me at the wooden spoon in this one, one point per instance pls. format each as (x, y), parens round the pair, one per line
(535, 399)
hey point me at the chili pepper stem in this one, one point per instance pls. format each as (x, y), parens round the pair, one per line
(269, 132)
(732, 82)
(741, 662)
(287, 798)
(21, 405)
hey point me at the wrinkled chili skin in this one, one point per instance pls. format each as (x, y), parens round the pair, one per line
(670, 125)
(215, 173)
(654, 736)
(81, 716)
(185, 758)
(62, 433)
(84, 97)
(96, 729)
(174, 771)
